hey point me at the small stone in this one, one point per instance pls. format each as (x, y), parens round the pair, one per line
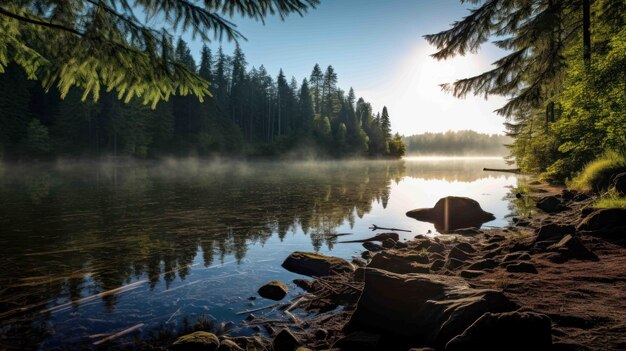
(285, 341)
(370, 246)
(484, 264)
(522, 267)
(274, 290)
(197, 341)
(549, 204)
(471, 273)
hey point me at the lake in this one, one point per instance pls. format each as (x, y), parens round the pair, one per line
(89, 249)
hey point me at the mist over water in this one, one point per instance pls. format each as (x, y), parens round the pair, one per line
(184, 238)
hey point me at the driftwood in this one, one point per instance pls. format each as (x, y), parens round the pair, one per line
(506, 170)
(261, 308)
(118, 334)
(374, 227)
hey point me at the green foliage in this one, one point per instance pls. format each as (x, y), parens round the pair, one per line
(103, 46)
(610, 201)
(397, 148)
(564, 77)
(251, 114)
(596, 174)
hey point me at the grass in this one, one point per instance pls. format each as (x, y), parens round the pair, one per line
(610, 199)
(595, 176)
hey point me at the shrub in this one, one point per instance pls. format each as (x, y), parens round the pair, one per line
(597, 174)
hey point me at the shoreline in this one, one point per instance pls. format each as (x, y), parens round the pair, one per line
(546, 268)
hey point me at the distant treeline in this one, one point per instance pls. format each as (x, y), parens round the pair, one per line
(464, 142)
(251, 113)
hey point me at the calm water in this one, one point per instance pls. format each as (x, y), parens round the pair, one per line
(184, 239)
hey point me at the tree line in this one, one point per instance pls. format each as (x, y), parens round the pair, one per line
(464, 142)
(564, 76)
(250, 113)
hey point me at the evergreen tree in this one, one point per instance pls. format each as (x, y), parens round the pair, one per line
(306, 112)
(317, 80)
(103, 45)
(385, 124)
(328, 88)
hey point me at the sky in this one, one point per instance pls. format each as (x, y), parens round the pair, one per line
(376, 47)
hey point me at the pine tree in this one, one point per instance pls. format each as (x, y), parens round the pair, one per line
(328, 90)
(385, 124)
(103, 45)
(317, 80)
(305, 103)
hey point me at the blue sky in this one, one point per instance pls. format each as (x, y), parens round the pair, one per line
(376, 47)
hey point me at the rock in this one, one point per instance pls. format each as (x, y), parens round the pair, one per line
(429, 308)
(285, 341)
(358, 341)
(553, 232)
(400, 262)
(581, 197)
(436, 247)
(273, 290)
(493, 253)
(586, 211)
(619, 183)
(484, 264)
(389, 243)
(451, 213)
(471, 273)
(437, 265)
(452, 264)
(320, 334)
(458, 254)
(304, 284)
(572, 247)
(466, 247)
(196, 341)
(229, 345)
(313, 264)
(366, 255)
(522, 223)
(604, 221)
(496, 239)
(370, 246)
(549, 204)
(567, 194)
(358, 262)
(512, 331)
(521, 267)
(522, 256)
(252, 343)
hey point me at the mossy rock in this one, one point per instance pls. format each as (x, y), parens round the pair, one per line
(318, 265)
(273, 290)
(197, 341)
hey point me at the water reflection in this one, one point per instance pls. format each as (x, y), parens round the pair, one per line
(73, 230)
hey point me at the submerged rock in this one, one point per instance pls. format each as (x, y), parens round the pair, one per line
(274, 290)
(429, 308)
(314, 264)
(452, 213)
(197, 341)
(514, 331)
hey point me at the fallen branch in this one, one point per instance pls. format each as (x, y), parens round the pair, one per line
(260, 308)
(118, 334)
(374, 227)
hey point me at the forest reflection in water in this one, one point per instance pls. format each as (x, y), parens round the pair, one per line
(194, 237)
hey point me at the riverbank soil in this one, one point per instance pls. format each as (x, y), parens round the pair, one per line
(553, 281)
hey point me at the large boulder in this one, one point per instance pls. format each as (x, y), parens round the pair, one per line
(452, 213)
(400, 262)
(430, 309)
(513, 331)
(608, 220)
(274, 290)
(197, 341)
(316, 265)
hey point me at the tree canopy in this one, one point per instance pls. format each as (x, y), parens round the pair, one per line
(560, 73)
(122, 46)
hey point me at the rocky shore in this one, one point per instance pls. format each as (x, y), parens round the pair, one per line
(554, 281)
